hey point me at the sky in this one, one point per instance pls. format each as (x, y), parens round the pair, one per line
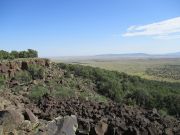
(90, 27)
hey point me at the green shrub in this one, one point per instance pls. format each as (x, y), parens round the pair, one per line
(63, 92)
(172, 104)
(2, 81)
(23, 77)
(93, 97)
(36, 71)
(67, 74)
(37, 92)
(17, 88)
(141, 97)
(163, 112)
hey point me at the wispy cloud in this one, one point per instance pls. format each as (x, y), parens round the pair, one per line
(167, 29)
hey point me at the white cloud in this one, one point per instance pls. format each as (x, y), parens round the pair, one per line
(165, 29)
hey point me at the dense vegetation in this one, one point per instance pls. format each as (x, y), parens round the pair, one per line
(131, 89)
(166, 71)
(21, 54)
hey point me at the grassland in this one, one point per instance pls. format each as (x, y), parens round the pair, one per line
(138, 67)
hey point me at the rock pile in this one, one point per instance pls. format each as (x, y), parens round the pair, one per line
(109, 119)
(52, 116)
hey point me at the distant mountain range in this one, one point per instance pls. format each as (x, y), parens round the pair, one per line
(119, 56)
(139, 55)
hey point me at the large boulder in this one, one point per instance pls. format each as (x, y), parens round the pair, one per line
(101, 128)
(62, 126)
(4, 103)
(4, 68)
(30, 116)
(9, 121)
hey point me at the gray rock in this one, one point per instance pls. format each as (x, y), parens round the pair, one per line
(31, 116)
(10, 120)
(62, 126)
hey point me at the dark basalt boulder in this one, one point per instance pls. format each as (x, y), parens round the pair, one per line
(109, 119)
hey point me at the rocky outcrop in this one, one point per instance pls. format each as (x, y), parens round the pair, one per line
(9, 68)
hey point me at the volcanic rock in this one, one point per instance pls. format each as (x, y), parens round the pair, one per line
(62, 126)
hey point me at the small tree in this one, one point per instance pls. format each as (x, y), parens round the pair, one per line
(14, 54)
(32, 53)
(23, 54)
(141, 97)
(172, 103)
(4, 54)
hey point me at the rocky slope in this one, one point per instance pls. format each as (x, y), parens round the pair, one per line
(70, 115)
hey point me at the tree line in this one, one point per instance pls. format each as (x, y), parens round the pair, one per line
(30, 53)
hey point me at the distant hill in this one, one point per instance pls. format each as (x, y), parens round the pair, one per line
(177, 54)
(140, 55)
(128, 55)
(119, 56)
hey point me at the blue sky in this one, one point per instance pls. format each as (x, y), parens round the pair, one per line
(88, 27)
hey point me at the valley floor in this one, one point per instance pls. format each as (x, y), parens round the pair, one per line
(153, 69)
